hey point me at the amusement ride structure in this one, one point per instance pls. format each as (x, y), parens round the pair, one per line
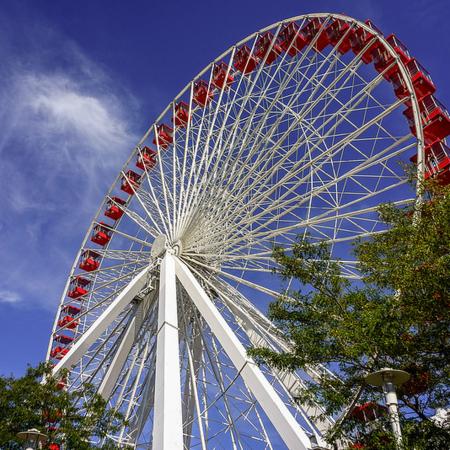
(299, 128)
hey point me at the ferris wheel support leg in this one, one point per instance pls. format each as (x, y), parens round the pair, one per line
(167, 422)
(283, 421)
(102, 323)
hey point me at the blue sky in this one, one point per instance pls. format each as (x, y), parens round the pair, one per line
(80, 83)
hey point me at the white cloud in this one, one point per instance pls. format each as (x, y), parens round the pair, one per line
(10, 297)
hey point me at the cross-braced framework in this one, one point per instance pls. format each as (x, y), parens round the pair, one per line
(283, 138)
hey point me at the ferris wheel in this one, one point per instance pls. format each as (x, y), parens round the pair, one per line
(298, 129)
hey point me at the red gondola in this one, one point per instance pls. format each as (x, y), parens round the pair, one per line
(292, 40)
(101, 234)
(421, 79)
(146, 159)
(77, 287)
(164, 136)
(220, 78)
(181, 116)
(71, 310)
(313, 28)
(130, 182)
(59, 352)
(68, 322)
(63, 339)
(244, 61)
(114, 210)
(266, 47)
(437, 161)
(90, 261)
(337, 30)
(383, 59)
(202, 94)
(362, 37)
(368, 411)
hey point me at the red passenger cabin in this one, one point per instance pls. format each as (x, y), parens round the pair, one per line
(63, 339)
(101, 234)
(181, 118)
(313, 28)
(368, 411)
(164, 136)
(78, 287)
(68, 322)
(244, 61)
(71, 310)
(421, 79)
(90, 261)
(222, 77)
(337, 30)
(292, 40)
(130, 182)
(202, 93)
(267, 47)
(384, 60)
(146, 159)
(59, 352)
(114, 208)
(437, 162)
(435, 119)
(361, 38)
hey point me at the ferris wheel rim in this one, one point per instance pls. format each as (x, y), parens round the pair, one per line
(137, 149)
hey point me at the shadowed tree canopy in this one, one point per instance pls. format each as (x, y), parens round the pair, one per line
(396, 316)
(29, 403)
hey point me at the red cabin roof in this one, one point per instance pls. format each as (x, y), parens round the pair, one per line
(114, 211)
(164, 136)
(222, 77)
(181, 115)
(267, 47)
(292, 40)
(130, 182)
(244, 61)
(146, 159)
(202, 93)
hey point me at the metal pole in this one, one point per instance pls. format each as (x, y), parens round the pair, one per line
(388, 379)
(167, 422)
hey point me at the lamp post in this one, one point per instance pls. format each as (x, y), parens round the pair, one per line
(389, 379)
(33, 438)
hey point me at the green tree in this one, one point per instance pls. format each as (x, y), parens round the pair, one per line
(72, 419)
(396, 316)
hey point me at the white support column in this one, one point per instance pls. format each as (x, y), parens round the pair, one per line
(167, 422)
(277, 412)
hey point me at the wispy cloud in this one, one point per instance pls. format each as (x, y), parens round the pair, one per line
(65, 130)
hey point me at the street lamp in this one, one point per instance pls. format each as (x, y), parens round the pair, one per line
(34, 438)
(388, 379)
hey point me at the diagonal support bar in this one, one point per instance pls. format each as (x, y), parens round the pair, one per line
(167, 422)
(277, 412)
(101, 324)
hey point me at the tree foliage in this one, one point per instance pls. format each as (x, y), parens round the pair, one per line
(396, 316)
(72, 419)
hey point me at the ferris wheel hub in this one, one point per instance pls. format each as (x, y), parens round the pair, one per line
(161, 245)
